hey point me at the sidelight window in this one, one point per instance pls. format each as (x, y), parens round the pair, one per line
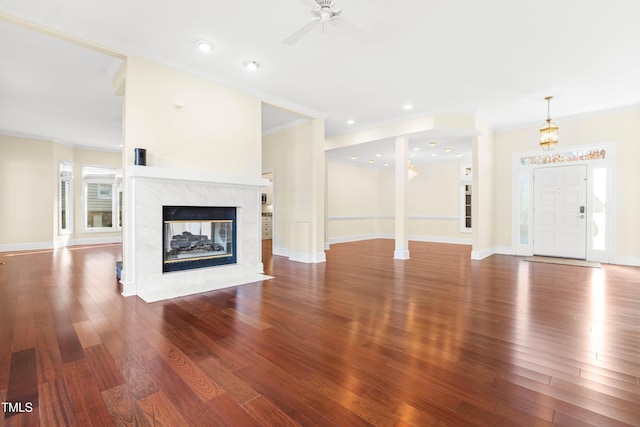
(65, 198)
(465, 198)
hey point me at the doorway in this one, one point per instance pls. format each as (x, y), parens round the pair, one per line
(267, 200)
(560, 211)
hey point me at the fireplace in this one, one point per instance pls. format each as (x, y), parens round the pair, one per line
(198, 237)
(149, 191)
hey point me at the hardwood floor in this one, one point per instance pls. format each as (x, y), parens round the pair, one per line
(360, 340)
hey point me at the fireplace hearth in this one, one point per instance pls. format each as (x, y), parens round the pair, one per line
(198, 237)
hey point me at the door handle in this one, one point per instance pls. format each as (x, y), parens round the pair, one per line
(580, 216)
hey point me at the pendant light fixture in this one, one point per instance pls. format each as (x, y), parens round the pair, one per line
(549, 132)
(411, 171)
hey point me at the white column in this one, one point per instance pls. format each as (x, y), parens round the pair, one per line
(402, 223)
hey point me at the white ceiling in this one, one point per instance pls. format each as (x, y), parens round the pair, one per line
(496, 58)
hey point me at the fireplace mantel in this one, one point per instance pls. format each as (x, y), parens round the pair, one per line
(147, 190)
(192, 176)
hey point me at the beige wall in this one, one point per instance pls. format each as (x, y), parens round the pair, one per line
(29, 185)
(435, 193)
(483, 195)
(361, 203)
(296, 157)
(354, 202)
(622, 128)
(218, 130)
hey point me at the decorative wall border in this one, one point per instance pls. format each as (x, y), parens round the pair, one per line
(573, 156)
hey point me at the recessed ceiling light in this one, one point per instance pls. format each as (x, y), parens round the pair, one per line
(204, 45)
(407, 107)
(434, 155)
(378, 155)
(433, 144)
(371, 161)
(447, 149)
(386, 163)
(252, 65)
(416, 149)
(354, 157)
(459, 154)
(350, 122)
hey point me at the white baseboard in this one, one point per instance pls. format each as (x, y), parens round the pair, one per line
(415, 238)
(401, 254)
(478, 255)
(30, 246)
(89, 241)
(626, 260)
(354, 238)
(38, 246)
(307, 258)
(437, 239)
(503, 250)
(280, 251)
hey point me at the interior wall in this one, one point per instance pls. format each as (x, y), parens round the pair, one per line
(623, 128)
(483, 194)
(354, 202)
(295, 155)
(361, 203)
(185, 122)
(26, 180)
(29, 179)
(433, 203)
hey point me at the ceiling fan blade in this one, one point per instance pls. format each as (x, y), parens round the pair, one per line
(353, 30)
(301, 32)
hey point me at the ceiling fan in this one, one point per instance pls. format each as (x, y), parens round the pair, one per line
(325, 12)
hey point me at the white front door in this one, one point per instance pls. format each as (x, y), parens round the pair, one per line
(560, 211)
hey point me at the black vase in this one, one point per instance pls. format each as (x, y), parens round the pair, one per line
(140, 157)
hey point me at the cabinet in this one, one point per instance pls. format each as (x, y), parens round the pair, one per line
(266, 227)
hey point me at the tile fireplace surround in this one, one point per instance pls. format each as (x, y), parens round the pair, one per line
(148, 189)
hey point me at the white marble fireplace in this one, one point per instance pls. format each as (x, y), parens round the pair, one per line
(148, 189)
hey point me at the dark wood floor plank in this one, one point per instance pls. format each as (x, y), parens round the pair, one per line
(24, 336)
(87, 334)
(229, 413)
(234, 354)
(185, 400)
(25, 419)
(159, 411)
(362, 339)
(7, 326)
(268, 414)
(23, 380)
(68, 342)
(123, 408)
(203, 386)
(369, 409)
(228, 381)
(137, 377)
(49, 359)
(56, 408)
(304, 404)
(104, 368)
(197, 322)
(88, 404)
